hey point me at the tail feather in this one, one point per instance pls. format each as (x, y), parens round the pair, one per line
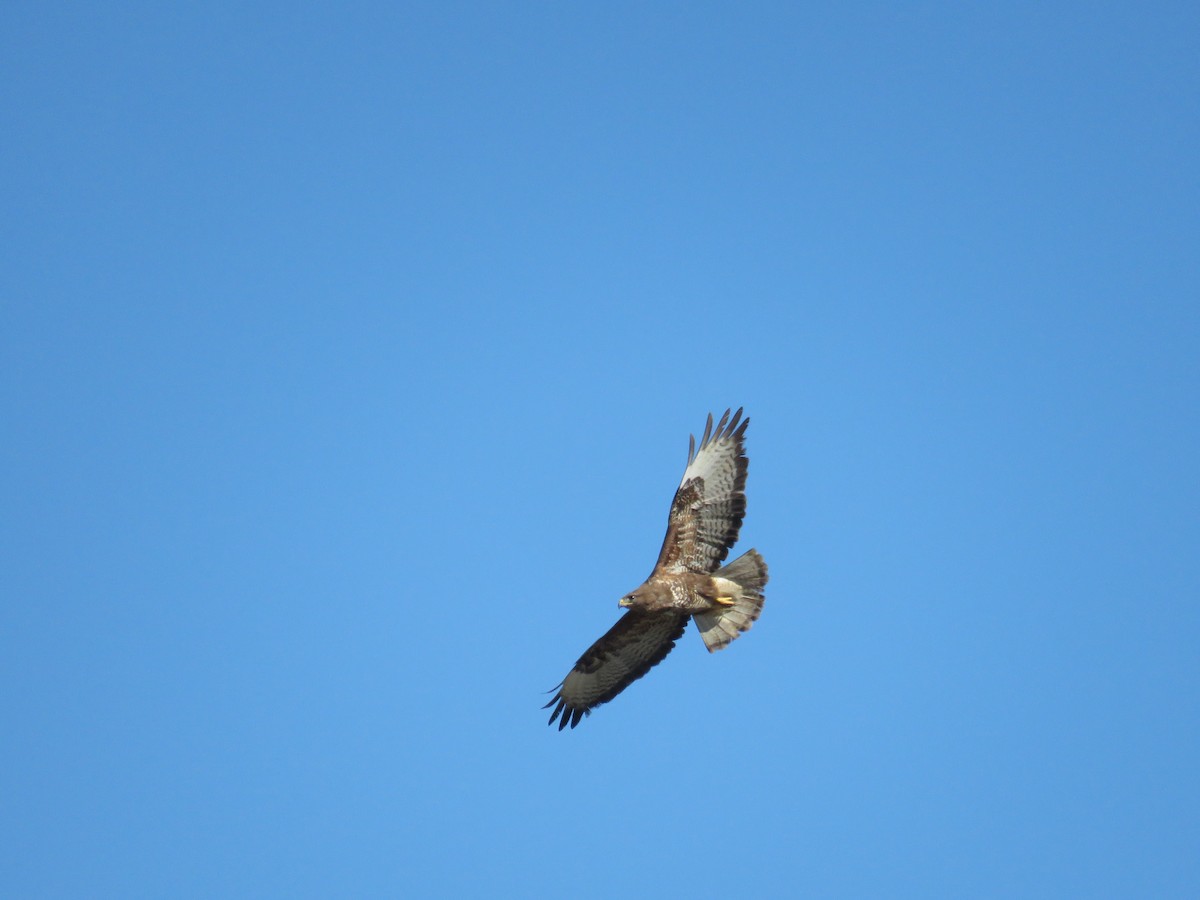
(718, 627)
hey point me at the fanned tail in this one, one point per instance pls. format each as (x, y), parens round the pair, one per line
(720, 626)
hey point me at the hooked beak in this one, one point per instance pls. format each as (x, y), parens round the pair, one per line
(624, 601)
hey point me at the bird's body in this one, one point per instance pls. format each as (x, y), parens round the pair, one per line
(705, 518)
(688, 591)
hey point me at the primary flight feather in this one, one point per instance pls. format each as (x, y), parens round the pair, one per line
(702, 527)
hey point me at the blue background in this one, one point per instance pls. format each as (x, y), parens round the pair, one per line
(349, 356)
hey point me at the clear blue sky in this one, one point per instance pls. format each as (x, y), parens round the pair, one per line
(349, 356)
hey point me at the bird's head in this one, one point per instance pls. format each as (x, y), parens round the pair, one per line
(628, 600)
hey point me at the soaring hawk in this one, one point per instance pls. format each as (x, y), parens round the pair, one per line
(686, 583)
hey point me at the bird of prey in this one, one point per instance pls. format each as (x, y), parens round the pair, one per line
(706, 516)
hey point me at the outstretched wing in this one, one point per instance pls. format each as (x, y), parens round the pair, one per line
(631, 648)
(706, 514)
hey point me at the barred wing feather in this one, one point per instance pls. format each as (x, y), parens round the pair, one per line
(707, 511)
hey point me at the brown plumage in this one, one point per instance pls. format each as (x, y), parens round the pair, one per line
(705, 518)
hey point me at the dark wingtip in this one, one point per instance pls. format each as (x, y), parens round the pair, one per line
(565, 715)
(731, 424)
(741, 431)
(721, 425)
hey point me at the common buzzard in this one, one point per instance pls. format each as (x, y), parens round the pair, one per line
(705, 518)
